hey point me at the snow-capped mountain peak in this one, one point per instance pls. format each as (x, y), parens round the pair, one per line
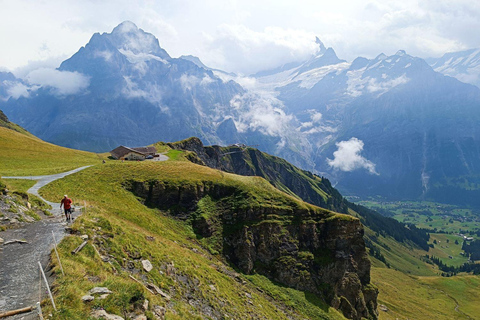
(463, 65)
(321, 46)
(127, 37)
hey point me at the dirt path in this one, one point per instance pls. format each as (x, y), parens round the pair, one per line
(19, 272)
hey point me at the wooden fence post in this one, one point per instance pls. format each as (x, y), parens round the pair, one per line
(58, 257)
(48, 287)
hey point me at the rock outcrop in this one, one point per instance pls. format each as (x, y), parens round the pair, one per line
(300, 246)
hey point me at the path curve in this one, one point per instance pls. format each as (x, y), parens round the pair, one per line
(44, 180)
(19, 272)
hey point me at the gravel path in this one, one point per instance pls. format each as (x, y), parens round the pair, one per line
(19, 272)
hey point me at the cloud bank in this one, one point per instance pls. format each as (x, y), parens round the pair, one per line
(62, 82)
(348, 158)
(260, 34)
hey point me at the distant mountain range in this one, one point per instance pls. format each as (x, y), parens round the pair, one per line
(463, 65)
(392, 126)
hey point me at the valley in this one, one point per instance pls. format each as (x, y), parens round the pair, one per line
(195, 275)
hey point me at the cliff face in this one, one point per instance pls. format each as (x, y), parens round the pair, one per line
(294, 181)
(298, 245)
(279, 172)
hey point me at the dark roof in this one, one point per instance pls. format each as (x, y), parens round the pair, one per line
(122, 151)
(146, 150)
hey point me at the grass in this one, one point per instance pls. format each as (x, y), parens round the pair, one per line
(430, 215)
(409, 297)
(448, 252)
(120, 224)
(403, 257)
(25, 155)
(21, 185)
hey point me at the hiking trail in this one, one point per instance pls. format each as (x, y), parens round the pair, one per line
(19, 271)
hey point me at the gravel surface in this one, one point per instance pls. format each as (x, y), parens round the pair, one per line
(19, 271)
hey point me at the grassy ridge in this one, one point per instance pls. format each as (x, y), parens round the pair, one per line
(124, 223)
(408, 297)
(25, 155)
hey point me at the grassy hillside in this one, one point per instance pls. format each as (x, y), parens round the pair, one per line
(23, 155)
(123, 231)
(5, 123)
(410, 297)
(126, 231)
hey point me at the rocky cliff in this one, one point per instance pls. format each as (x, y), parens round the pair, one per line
(279, 172)
(287, 240)
(299, 183)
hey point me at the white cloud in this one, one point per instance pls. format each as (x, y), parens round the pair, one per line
(105, 54)
(17, 90)
(348, 158)
(62, 82)
(240, 49)
(51, 62)
(188, 82)
(152, 93)
(384, 86)
(206, 81)
(316, 116)
(260, 34)
(262, 113)
(131, 89)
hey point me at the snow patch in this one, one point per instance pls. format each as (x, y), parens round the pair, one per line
(312, 77)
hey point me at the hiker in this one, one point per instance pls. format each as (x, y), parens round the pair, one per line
(67, 206)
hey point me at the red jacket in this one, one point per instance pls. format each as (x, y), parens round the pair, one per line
(66, 203)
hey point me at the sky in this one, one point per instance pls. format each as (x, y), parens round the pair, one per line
(239, 36)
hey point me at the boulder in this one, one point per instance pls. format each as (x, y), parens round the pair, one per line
(147, 265)
(99, 290)
(102, 314)
(145, 305)
(87, 298)
(159, 291)
(159, 312)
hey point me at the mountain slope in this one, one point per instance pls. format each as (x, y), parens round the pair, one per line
(4, 122)
(317, 255)
(390, 126)
(299, 183)
(223, 209)
(463, 65)
(415, 127)
(123, 88)
(24, 154)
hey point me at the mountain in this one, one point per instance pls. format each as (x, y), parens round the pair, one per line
(389, 126)
(122, 88)
(199, 63)
(463, 65)
(298, 183)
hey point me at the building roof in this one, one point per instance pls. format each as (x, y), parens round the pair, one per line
(146, 150)
(122, 151)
